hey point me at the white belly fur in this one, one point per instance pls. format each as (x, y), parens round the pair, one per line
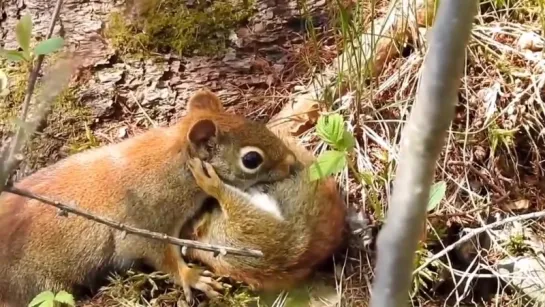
(260, 200)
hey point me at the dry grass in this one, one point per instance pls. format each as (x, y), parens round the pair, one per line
(492, 163)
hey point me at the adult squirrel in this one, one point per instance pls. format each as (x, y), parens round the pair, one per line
(296, 223)
(143, 182)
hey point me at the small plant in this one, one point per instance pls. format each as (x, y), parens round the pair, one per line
(500, 136)
(90, 142)
(23, 33)
(331, 129)
(427, 276)
(517, 245)
(49, 299)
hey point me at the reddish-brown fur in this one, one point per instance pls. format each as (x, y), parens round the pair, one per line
(143, 182)
(312, 229)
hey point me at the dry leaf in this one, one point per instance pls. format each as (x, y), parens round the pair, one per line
(295, 118)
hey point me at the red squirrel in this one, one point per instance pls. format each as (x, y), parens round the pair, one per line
(144, 182)
(297, 224)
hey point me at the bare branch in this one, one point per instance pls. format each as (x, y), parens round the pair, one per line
(10, 157)
(423, 139)
(475, 232)
(133, 230)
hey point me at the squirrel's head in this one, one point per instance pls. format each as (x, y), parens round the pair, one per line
(243, 152)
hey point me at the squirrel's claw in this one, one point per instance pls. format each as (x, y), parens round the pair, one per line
(208, 286)
(197, 279)
(210, 183)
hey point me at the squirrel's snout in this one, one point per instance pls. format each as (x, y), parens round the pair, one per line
(288, 166)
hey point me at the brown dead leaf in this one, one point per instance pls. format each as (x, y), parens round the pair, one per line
(297, 117)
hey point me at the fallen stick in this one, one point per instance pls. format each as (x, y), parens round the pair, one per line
(65, 209)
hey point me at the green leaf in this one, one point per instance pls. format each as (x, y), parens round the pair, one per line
(23, 30)
(66, 298)
(348, 141)
(328, 163)
(50, 303)
(49, 46)
(437, 192)
(330, 128)
(42, 297)
(12, 55)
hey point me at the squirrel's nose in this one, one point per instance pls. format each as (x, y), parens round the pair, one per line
(287, 166)
(295, 168)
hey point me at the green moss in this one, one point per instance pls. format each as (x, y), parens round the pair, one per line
(10, 105)
(240, 296)
(65, 132)
(74, 119)
(83, 142)
(66, 129)
(168, 25)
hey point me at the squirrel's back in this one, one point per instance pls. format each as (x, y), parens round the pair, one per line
(36, 241)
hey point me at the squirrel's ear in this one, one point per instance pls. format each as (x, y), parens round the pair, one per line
(202, 131)
(205, 100)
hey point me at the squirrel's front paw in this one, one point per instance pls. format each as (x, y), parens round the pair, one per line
(201, 280)
(210, 183)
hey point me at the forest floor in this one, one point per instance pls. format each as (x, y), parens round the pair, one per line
(261, 56)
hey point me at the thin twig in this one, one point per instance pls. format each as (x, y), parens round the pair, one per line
(133, 230)
(12, 161)
(469, 212)
(477, 231)
(154, 124)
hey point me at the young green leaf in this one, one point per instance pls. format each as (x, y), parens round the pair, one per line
(48, 46)
(437, 192)
(328, 163)
(330, 128)
(347, 142)
(23, 31)
(65, 298)
(48, 303)
(12, 55)
(41, 298)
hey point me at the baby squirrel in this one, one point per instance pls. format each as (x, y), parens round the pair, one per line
(143, 182)
(296, 223)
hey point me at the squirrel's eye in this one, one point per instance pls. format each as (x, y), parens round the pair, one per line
(252, 160)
